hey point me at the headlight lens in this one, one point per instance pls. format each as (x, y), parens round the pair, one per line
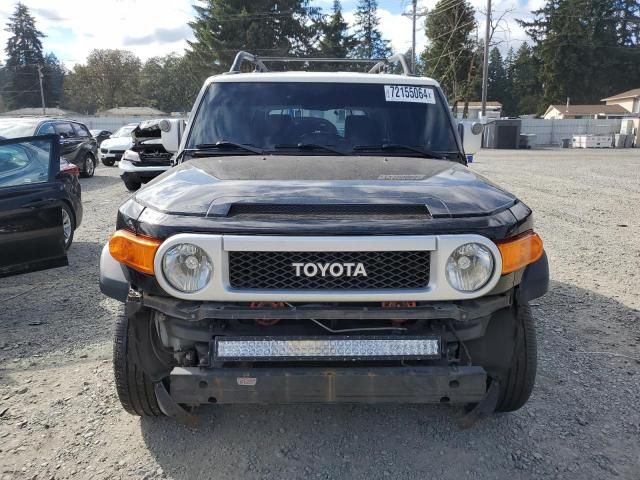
(187, 267)
(470, 267)
(131, 156)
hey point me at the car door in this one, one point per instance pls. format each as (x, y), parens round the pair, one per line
(31, 235)
(69, 142)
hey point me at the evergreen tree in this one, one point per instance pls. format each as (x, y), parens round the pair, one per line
(496, 76)
(579, 43)
(452, 54)
(262, 27)
(509, 107)
(24, 56)
(53, 81)
(525, 87)
(371, 44)
(336, 41)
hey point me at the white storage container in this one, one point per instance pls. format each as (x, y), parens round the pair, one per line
(592, 141)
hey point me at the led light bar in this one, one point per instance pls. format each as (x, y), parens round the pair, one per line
(325, 348)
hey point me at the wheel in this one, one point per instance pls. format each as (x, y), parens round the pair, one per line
(88, 166)
(68, 225)
(134, 387)
(108, 162)
(520, 377)
(131, 185)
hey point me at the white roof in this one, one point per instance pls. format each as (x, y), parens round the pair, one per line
(324, 77)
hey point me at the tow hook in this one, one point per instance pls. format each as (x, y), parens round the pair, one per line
(484, 408)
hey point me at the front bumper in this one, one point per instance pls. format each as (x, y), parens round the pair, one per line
(136, 173)
(425, 384)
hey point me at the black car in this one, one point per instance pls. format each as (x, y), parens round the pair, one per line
(100, 135)
(321, 238)
(34, 196)
(77, 145)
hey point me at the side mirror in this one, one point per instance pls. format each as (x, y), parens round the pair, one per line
(171, 131)
(471, 135)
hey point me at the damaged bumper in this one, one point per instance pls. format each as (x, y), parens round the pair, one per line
(428, 384)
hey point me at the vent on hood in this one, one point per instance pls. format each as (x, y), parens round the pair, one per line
(332, 210)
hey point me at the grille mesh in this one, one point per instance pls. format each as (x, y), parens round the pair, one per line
(274, 270)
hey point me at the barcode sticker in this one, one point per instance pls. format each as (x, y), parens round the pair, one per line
(405, 93)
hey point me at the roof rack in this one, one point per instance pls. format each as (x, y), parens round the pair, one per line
(381, 64)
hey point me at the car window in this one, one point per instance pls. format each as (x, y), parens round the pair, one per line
(24, 163)
(65, 130)
(81, 130)
(46, 128)
(343, 117)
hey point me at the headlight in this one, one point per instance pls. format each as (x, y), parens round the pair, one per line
(131, 156)
(470, 267)
(187, 267)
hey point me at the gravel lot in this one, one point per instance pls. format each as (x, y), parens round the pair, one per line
(59, 416)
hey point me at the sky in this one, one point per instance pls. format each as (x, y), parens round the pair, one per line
(152, 28)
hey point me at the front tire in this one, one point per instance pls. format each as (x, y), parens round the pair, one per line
(517, 385)
(131, 185)
(88, 166)
(135, 388)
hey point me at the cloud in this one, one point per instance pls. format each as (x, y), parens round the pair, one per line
(147, 27)
(48, 14)
(151, 28)
(161, 36)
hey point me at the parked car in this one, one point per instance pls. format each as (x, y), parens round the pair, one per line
(147, 158)
(100, 135)
(321, 238)
(35, 193)
(112, 149)
(77, 145)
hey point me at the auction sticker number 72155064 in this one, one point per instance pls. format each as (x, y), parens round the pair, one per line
(408, 93)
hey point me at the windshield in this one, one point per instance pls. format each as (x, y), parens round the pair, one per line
(342, 117)
(16, 128)
(124, 131)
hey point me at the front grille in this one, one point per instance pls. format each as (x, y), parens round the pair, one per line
(275, 270)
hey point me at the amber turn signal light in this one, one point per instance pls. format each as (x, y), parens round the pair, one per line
(520, 251)
(133, 250)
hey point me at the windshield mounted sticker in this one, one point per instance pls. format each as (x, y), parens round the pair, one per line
(406, 93)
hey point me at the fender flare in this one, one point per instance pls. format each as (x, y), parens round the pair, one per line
(114, 279)
(535, 280)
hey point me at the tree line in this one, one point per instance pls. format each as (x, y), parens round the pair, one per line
(582, 49)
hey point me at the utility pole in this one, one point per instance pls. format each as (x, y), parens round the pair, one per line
(413, 39)
(40, 76)
(414, 17)
(485, 63)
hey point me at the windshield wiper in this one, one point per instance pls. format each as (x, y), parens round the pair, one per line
(224, 144)
(308, 146)
(399, 146)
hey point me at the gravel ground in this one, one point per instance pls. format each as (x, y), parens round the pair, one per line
(60, 418)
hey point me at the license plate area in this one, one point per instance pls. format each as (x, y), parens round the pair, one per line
(325, 348)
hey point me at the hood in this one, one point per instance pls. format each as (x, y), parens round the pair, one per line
(117, 143)
(211, 186)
